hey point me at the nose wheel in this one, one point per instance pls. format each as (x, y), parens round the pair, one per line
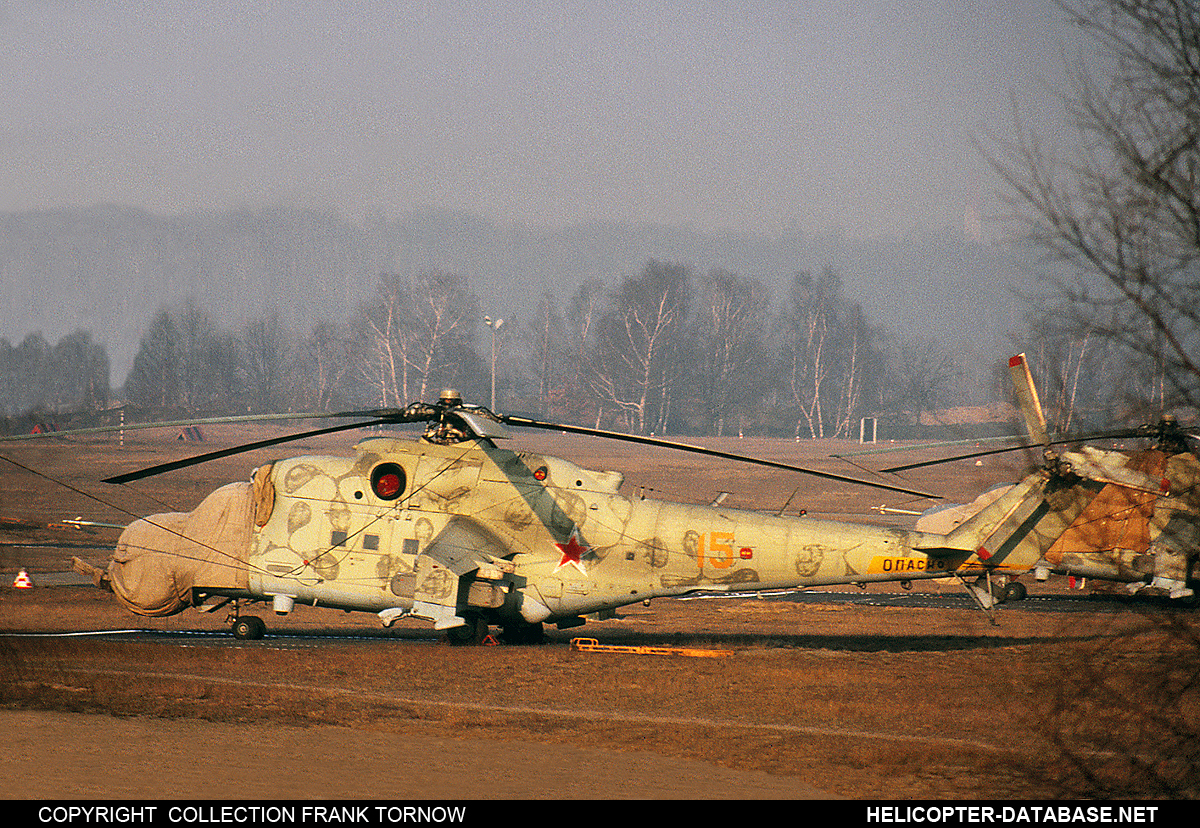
(248, 628)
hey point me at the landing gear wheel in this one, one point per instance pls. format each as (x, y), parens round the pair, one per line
(1015, 591)
(523, 634)
(473, 632)
(249, 628)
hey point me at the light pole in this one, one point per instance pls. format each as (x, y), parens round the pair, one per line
(494, 324)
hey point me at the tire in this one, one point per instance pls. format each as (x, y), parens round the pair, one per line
(249, 628)
(1015, 591)
(473, 632)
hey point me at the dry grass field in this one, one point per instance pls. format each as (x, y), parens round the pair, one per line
(1055, 699)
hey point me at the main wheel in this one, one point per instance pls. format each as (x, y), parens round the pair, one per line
(473, 632)
(523, 633)
(1015, 591)
(249, 628)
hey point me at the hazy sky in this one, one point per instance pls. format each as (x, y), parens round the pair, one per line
(745, 116)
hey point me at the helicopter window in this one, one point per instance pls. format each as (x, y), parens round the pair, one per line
(387, 481)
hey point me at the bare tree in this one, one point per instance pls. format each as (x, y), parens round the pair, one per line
(266, 356)
(383, 344)
(544, 336)
(417, 334)
(807, 320)
(731, 319)
(575, 396)
(324, 363)
(860, 363)
(69, 377)
(78, 373)
(209, 378)
(1079, 382)
(642, 344)
(924, 371)
(186, 363)
(442, 320)
(1120, 210)
(154, 380)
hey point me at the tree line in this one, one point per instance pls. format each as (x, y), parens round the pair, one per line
(37, 377)
(665, 350)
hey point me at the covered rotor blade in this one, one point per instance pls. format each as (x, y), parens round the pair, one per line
(654, 441)
(214, 455)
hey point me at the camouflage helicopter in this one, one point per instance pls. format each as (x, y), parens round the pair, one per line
(1131, 517)
(454, 529)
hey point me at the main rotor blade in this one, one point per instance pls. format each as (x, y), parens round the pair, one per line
(938, 462)
(972, 441)
(391, 414)
(526, 422)
(229, 452)
(1058, 441)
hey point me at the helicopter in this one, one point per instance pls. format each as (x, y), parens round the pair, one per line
(460, 532)
(454, 529)
(1131, 517)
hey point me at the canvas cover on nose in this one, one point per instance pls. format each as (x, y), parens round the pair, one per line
(159, 559)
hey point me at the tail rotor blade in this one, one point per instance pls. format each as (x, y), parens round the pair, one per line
(1027, 398)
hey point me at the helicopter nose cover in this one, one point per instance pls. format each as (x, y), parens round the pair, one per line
(159, 559)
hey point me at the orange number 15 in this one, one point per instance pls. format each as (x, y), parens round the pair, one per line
(720, 544)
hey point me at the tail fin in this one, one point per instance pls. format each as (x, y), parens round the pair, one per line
(1008, 512)
(997, 528)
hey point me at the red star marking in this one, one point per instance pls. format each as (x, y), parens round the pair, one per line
(572, 552)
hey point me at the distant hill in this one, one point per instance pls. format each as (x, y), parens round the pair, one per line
(109, 268)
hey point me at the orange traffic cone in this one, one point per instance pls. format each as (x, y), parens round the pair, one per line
(22, 581)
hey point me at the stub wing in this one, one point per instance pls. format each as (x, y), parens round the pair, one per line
(461, 567)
